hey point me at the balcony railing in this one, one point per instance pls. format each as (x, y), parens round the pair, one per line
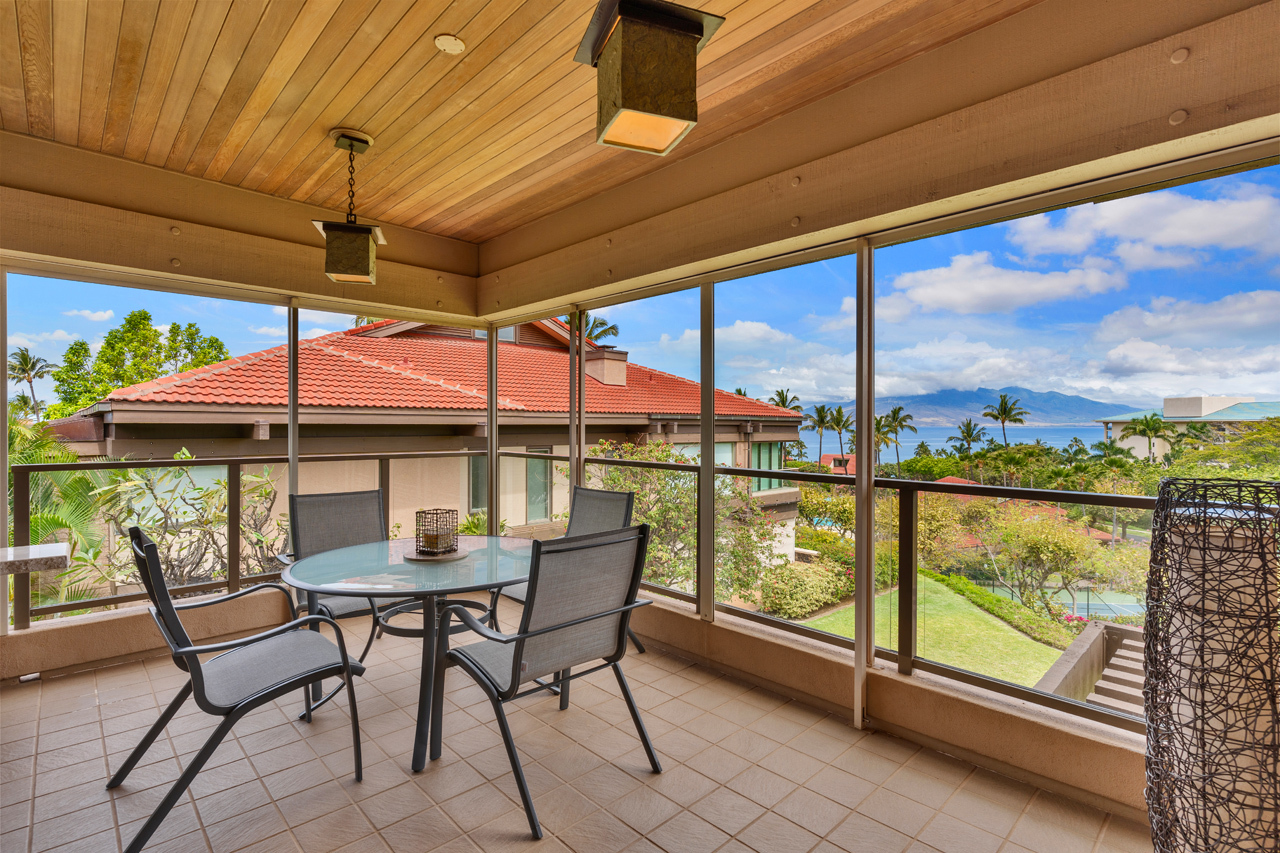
(908, 492)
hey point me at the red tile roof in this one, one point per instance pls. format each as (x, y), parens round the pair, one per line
(412, 370)
(829, 458)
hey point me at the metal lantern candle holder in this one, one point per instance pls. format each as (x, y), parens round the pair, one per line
(437, 531)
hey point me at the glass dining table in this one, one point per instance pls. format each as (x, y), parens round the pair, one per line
(389, 570)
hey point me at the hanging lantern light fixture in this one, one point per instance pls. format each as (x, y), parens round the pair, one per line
(350, 249)
(645, 54)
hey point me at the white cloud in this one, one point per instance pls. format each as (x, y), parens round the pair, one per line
(1252, 316)
(270, 331)
(750, 332)
(1243, 219)
(315, 333)
(1144, 256)
(94, 316)
(30, 339)
(971, 284)
(1137, 356)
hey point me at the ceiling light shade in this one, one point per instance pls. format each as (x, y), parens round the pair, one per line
(645, 53)
(350, 249)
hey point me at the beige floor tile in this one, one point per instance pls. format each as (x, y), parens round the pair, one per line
(763, 786)
(950, 835)
(243, 830)
(562, 807)
(773, 833)
(643, 809)
(896, 811)
(476, 807)
(1125, 836)
(423, 831)
(681, 785)
(688, 833)
(718, 763)
(334, 830)
(792, 764)
(996, 818)
(727, 810)
(861, 834)
(869, 765)
(921, 787)
(599, 832)
(843, 788)
(312, 803)
(812, 811)
(571, 762)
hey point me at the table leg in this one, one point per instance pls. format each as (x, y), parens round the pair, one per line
(424, 687)
(313, 603)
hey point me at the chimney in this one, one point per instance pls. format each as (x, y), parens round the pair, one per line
(261, 430)
(606, 365)
(1198, 407)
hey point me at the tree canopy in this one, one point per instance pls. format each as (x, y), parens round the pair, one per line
(133, 352)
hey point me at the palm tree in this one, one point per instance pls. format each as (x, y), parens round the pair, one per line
(741, 392)
(358, 320)
(819, 421)
(1110, 449)
(1006, 412)
(25, 367)
(23, 407)
(784, 399)
(970, 434)
(1150, 427)
(898, 422)
(842, 423)
(883, 435)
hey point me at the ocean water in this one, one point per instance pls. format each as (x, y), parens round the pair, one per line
(936, 437)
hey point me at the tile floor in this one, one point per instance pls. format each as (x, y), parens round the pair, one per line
(745, 770)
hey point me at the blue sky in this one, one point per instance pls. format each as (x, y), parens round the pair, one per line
(1163, 294)
(1169, 293)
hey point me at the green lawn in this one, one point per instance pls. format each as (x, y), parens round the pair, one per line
(954, 631)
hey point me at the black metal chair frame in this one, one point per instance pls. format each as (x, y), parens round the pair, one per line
(626, 522)
(561, 680)
(186, 657)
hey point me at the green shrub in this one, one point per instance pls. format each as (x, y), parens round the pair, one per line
(834, 547)
(794, 590)
(930, 468)
(886, 565)
(1018, 616)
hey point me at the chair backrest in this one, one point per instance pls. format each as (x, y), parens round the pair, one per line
(595, 511)
(324, 522)
(147, 558)
(572, 578)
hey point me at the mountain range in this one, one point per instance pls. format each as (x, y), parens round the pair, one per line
(1045, 408)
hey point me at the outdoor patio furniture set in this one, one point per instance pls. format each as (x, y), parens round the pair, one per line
(578, 593)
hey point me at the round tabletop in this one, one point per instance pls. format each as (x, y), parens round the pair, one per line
(379, 569)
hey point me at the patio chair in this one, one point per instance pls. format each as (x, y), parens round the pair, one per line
(582, 590)
(590, 511)
(247, 674)
(325, 522)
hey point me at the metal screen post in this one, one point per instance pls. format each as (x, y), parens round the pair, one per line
(384, 486)
(575, 453)
(705, 587)
(21, 536)
(581, 369)
(491, 431)
(908, 528)
(233, 527)
(293, 397)
(864, 488)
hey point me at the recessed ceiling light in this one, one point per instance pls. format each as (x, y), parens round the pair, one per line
(450, 44)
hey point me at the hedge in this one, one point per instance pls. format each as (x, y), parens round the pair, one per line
(1018, 616)
(794, 590)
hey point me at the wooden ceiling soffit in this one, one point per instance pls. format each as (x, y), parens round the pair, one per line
(1019, 143)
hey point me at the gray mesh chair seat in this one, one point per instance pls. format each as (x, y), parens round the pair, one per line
(246, 674)
(234, 676)
(590, 511)
(582, 590)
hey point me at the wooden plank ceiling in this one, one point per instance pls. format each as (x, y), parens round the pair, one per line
(467, 146)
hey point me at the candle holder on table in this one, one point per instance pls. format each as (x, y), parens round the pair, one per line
(436, 532)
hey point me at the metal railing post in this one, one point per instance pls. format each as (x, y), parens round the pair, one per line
(864, 485)
(705, 584)
(233, 527)
(494, 510)
(575, 451)
(21, 536)
(908, 529)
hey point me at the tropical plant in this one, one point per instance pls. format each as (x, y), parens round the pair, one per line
(784, 399)
(819, 421)
(741, 392)
(1253, 446)
(477, 524)
(359, 320)
(668, 501)
(970, 434)
(1007, 411)
(594, 327)
(25, 367)
(842, 423)
(922, 452)
(899, 422)
(1151, 427)
(23, 407)
(883, 435)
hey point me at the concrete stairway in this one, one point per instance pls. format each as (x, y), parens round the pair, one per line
(1120, 687)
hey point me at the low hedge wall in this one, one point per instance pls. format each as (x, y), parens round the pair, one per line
(1016, 615)
(794, 590)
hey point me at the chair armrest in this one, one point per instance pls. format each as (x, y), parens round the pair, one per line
(265, 635)
(464, 615)
(624, 609)
(285, 559)
(293, 608)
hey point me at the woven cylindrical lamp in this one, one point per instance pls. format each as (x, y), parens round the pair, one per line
(436, 531)
(1213, 667)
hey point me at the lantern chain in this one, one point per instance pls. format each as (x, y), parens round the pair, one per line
(351, 185)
